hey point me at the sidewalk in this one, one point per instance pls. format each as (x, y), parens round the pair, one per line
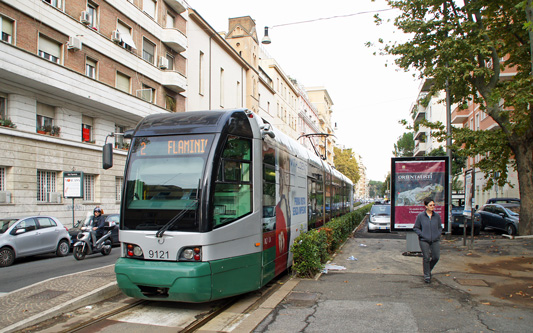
(487, 288)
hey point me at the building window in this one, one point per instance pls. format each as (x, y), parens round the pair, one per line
(126, 39)
(7, 29)
(222, 87)
(88, 187)
(87, 129)
(119, 181)
(120, 142)
(123, 82)
(477, 122)
(92, 8)
(170, 21)
(55, 3)
(46, 184)
(148, 51)
(170, 62)
(45, 118)
(49, 49)
(201, 74)
(2, 179)
(149, 7)
(3, 107)
(147, 93)
(90, 68)
(170, 103)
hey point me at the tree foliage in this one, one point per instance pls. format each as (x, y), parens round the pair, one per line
(346, 163)
(481, 50)
(405, 146)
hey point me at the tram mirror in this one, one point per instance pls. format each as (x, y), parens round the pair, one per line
(267, 130)
(107, 156)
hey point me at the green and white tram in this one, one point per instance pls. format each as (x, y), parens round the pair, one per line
(212, 201)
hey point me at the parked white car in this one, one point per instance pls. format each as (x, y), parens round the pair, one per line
(379, 218)
(31, 235)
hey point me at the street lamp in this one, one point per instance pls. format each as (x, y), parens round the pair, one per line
(266, 39)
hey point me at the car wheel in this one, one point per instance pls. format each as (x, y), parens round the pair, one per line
(62, 248)
(510, 229)
(7, 257)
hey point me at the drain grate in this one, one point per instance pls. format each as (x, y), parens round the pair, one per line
(46, 295)
(472, 282)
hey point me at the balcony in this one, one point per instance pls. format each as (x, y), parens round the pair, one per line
(420, 148)
(174, 38)
(177, 5)
(173, 81)
(420, 114)
(460, 116)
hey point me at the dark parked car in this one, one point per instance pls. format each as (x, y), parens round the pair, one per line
(31, 235)
(89, 222)
(503, 200)
(458, 221)
(499, 216)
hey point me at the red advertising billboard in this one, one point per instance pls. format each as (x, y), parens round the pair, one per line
(414, 179)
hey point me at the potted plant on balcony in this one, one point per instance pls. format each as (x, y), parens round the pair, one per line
(48, 129)
(56, 130)
(6, 122)
(41, 130)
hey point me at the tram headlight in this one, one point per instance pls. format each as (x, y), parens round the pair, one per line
(133, 250)
(191, 254)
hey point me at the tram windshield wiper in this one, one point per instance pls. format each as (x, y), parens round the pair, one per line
(176, 218)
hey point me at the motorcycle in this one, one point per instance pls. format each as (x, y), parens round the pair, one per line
(84, 245)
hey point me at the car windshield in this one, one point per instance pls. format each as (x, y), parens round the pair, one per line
(514, 210)
(380, 210)
(6, 224)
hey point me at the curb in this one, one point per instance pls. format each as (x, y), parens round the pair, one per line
(96, 295)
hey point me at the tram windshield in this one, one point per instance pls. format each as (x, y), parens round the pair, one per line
(163, 179)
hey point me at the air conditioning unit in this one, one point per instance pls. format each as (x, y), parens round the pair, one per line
(115, 36)
(55, 197)
(163, 63)
(85, 17)
(5, 197)
(74, 43)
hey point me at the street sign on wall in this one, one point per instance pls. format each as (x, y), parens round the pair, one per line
(73, 184)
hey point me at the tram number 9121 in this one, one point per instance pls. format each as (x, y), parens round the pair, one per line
(157, 254)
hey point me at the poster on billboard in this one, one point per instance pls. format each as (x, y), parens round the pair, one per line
(413, 179)
(469, 192)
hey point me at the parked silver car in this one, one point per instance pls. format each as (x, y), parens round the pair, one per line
(379, 218)
(31, 235)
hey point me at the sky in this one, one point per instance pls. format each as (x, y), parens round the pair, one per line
(369, 98)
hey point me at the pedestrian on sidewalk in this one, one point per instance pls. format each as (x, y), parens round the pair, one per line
(428, 227)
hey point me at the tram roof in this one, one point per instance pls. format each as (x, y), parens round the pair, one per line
(190, 122)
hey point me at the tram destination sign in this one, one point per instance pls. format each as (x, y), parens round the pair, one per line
(171, 146)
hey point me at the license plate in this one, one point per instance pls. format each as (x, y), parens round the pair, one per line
(461, 225)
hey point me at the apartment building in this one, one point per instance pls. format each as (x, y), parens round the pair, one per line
(320, 98)
(72, 73)
(429, 107)
(474, 118)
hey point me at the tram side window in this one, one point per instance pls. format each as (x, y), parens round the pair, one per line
(233, 188)
(269, 197)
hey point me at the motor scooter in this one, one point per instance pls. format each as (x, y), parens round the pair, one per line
(84, 245)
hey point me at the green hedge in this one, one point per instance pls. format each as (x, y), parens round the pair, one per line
(313, 249)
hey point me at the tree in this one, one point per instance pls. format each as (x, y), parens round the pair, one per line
(466, 47)
(346, 163)
(458, 164)
(374, 188)
(385, 187)
(405, 146)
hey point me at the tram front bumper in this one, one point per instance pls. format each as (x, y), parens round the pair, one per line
(164, 280)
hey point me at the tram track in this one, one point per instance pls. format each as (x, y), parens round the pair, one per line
(221, 315)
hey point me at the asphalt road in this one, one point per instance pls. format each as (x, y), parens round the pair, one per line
(27, 271)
